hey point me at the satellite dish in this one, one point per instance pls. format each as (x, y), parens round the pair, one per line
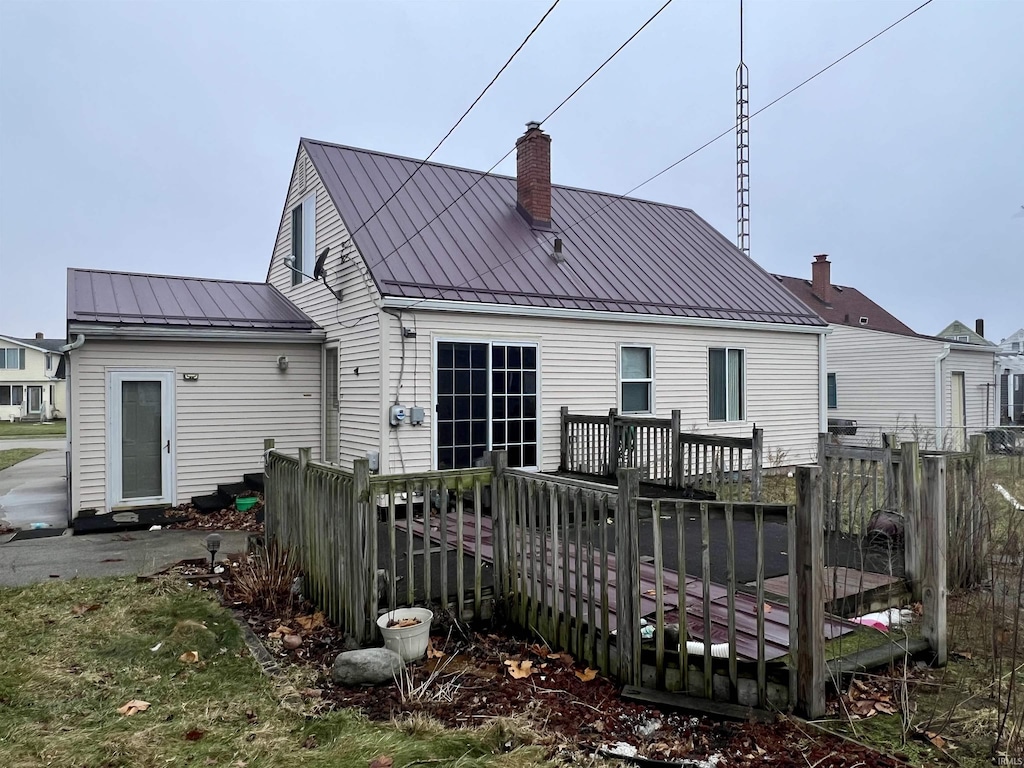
(318, 270)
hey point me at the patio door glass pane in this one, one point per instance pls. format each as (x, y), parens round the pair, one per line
(141, 439)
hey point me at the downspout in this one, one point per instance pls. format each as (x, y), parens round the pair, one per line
(68, 440)
(79, 341)
(822, 383)
(940, 431)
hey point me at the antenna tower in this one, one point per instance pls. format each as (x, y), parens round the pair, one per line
(742, 152)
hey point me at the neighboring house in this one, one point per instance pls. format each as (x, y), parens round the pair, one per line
(1010, 374)
(32, 385)
(888, 378)
(176, 382)
(481, 316)
(957, 331)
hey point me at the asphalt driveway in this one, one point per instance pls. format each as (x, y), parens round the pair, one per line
(35, 490)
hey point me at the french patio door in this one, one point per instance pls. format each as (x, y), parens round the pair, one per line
(140, 438)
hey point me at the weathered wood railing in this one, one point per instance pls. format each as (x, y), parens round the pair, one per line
(856, 481)
(664, 454)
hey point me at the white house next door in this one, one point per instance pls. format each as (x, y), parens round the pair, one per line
(140, 438)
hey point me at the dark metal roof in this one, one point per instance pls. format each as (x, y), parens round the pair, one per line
(848, 306)
(629, 255)
(123, 298)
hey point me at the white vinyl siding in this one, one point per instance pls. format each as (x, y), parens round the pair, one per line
(353, 324)
(979, 396)
(579, 368)
(240, 398)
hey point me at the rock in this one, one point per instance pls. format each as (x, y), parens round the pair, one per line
(369, 666)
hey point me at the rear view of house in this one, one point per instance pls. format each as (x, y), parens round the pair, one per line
(462, 310)
(32, 385)
(885, 378)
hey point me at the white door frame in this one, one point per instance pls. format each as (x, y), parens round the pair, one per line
(115, 488)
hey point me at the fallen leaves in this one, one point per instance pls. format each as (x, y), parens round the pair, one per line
(403, 623)
(519, 669)
(82, 609)
(194, 735)
(586, 675)
(189, 657)
(134, 706)
(382, 761)
(432, 652)
(310, 623)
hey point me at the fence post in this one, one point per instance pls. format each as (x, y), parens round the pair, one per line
(810, 610)
(676, 450)
(979, 531)
(563, 440)
(613, 441)
(299, 534)
(499, 515)
(757, 464)
(364, 549)
(888, 441)
(269, 507)
(933, 548)
(910, 471)
(627, 576)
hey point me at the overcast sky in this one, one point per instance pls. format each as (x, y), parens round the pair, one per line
(159, 136)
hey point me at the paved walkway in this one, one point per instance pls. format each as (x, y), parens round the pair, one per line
(105, 554)
(35, 490)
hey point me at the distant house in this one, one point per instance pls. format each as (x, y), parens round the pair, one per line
(1010, 372)
(32, 385)
(175, 383)
(888, 378)
(457, 323)
(959, 332)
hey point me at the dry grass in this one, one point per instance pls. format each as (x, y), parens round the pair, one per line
(65, 675)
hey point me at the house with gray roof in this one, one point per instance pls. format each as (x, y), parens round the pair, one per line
(462, 310)
(884, 378)
(32, 386)
(175, 382)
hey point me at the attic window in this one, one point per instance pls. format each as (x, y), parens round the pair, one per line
(863, 320)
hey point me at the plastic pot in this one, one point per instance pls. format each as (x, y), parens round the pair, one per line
(408, 642)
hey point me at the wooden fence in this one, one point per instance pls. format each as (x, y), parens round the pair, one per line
(663, 453)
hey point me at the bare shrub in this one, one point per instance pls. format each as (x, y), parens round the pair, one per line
(265, 580)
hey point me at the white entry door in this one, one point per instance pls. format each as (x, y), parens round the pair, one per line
(140, 438)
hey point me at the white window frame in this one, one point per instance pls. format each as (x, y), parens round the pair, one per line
(490, 342)
(307, 212)
(743, 388)
(831, 377)
(649, 380)
(19, 353)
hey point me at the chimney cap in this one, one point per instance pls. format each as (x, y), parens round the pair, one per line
(821, 257)
(533, 125)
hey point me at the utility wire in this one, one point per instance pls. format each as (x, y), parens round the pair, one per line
(502, 158)
(668, 168)
(458, 122)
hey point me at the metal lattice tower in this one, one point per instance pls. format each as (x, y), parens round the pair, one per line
(742, 152)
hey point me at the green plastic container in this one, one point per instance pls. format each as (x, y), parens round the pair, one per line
(245, 503)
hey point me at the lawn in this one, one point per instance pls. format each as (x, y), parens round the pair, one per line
(75, 651)
(32, 429)
(11, 457)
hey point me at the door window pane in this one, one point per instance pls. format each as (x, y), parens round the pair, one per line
(141, 439)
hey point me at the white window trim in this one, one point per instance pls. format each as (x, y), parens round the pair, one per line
(307, 208)
(490, 342)
(831, 375)
(169, 432)
(650, 380)
(746, 401)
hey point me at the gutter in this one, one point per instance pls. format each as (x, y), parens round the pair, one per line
(940, 429)
(203, 334)
(78, 342)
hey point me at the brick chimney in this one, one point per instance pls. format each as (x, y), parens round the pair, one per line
(821, 278)
(39, 336)
(533, 175)
(979, 327)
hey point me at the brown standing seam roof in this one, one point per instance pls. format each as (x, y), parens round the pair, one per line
(123, 298)
(630, 256)
(847, 308)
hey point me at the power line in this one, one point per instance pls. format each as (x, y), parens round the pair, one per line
(502, 158)
(685, 157)
(459, 121)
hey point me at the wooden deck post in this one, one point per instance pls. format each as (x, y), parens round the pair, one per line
(888, 441)
(503, 555)
(933, 548)
(364, 549)
(563, 439)
(910, 472)
(627, 577)
(810, 610)
(676, 450)
(757, 464)
(613, 441)
(269, 506)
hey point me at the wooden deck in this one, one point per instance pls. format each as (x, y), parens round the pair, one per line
(849, 591)
(777, 618)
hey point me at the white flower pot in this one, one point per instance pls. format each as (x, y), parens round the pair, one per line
(408, 642)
